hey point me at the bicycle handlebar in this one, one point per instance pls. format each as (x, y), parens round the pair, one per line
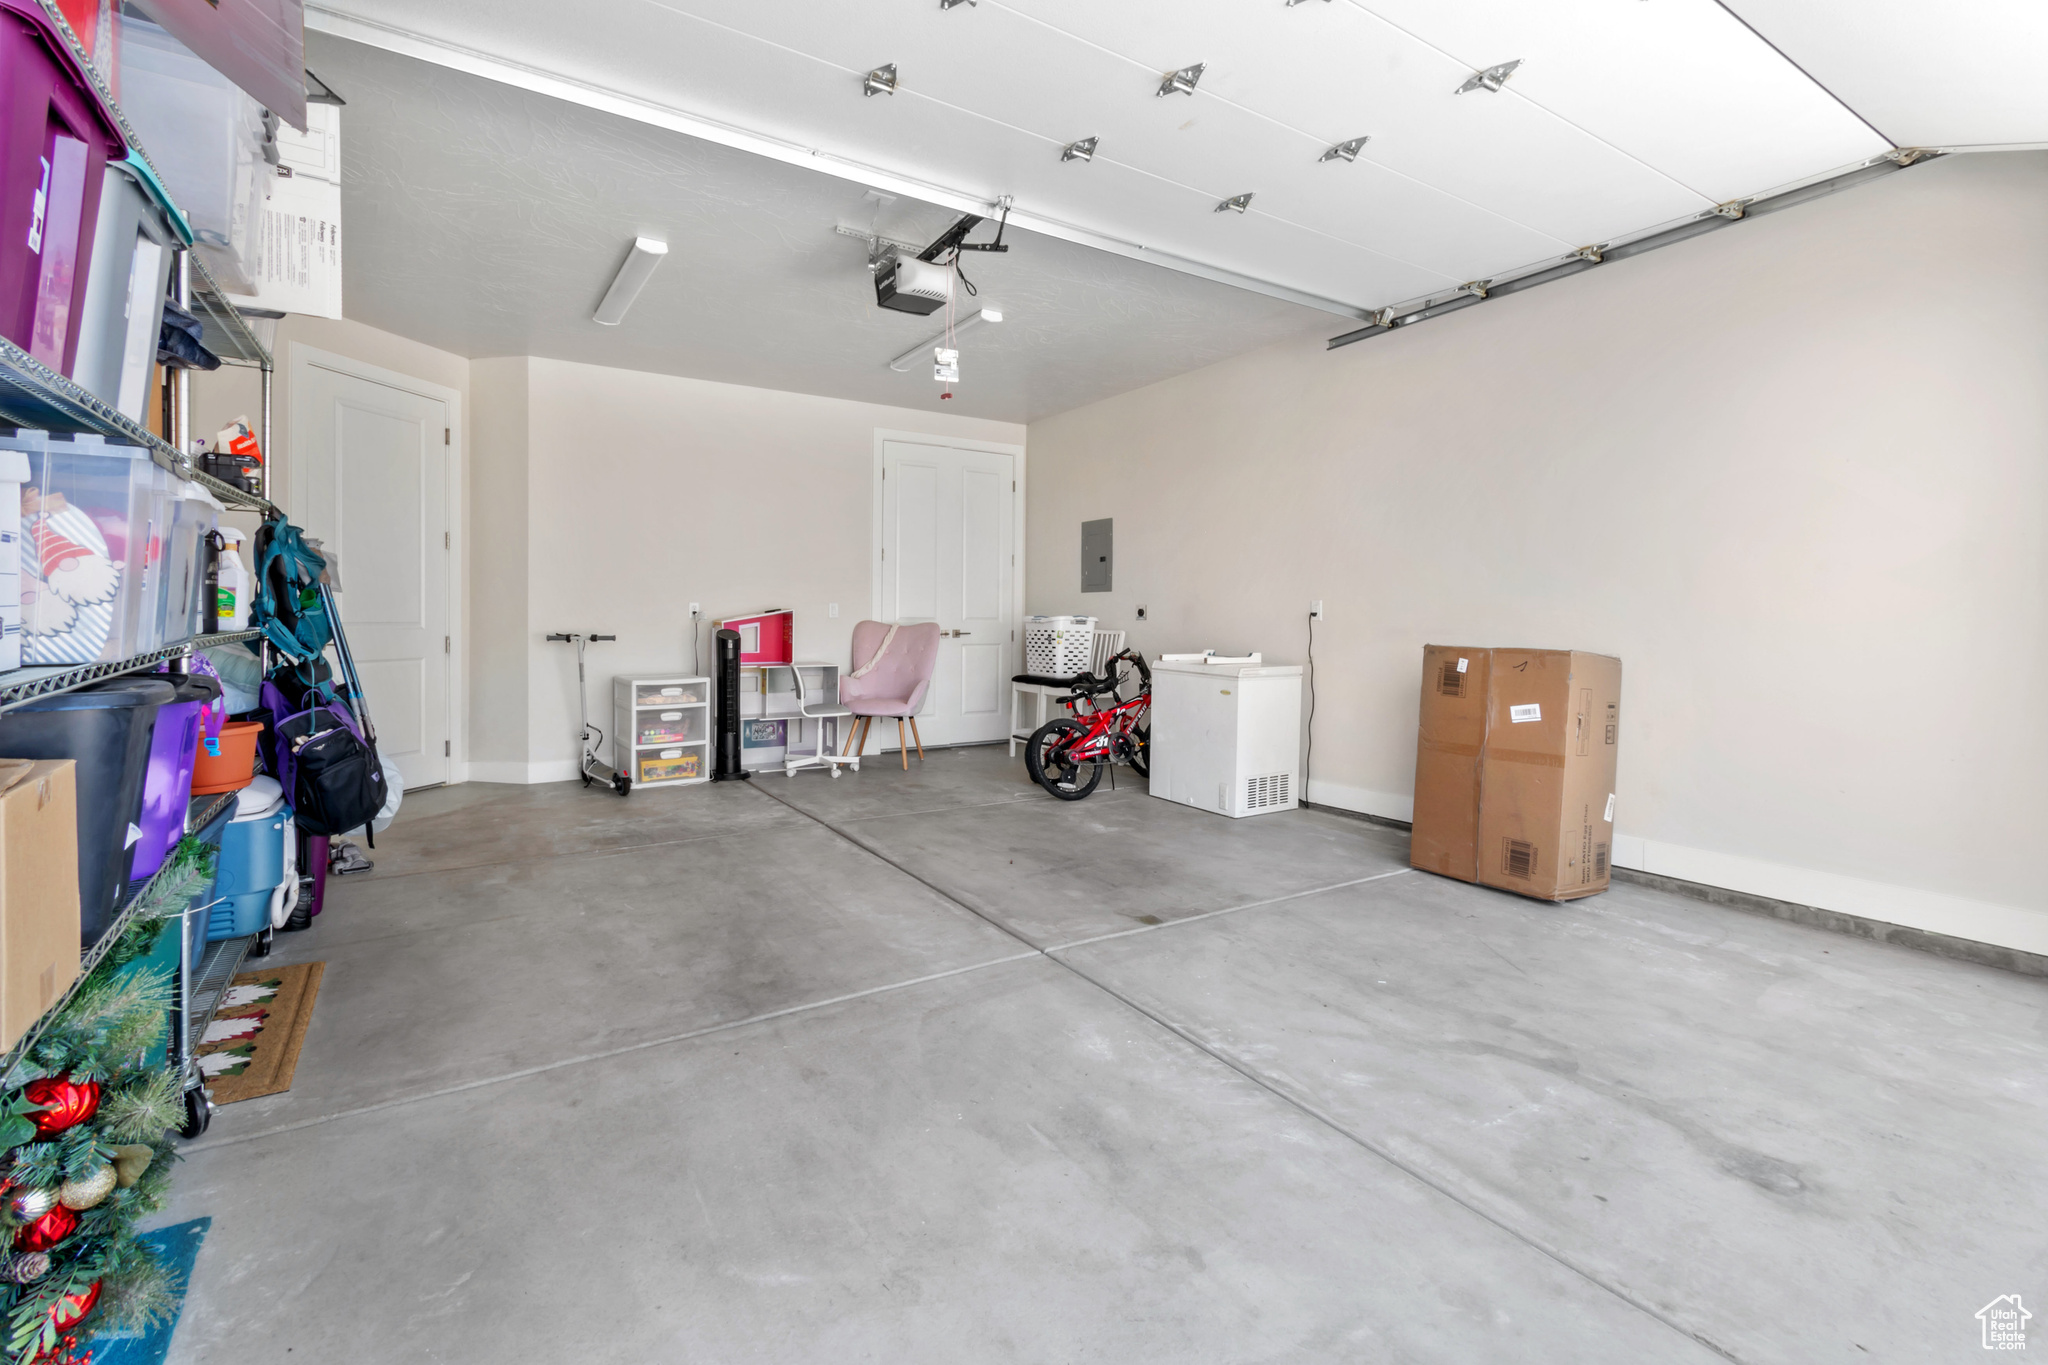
(604, 637)
(552, 638)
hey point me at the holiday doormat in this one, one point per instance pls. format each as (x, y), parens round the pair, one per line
(177, 1247)
(252, 1046)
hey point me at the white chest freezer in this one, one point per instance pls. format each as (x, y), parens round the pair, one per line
(1227, 737)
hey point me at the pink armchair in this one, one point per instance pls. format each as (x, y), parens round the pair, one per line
(892, 681)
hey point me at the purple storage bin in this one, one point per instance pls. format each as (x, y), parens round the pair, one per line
(56, 138)
(167, 784)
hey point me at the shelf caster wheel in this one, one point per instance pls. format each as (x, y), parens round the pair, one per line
(198, 1114)
(261, 947)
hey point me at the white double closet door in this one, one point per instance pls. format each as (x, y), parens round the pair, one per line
(948, 554)
(369, 477)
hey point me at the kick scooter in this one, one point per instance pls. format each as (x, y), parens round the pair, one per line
(592, 769)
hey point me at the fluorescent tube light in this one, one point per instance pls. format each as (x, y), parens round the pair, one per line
(902, 362)
(632, 278)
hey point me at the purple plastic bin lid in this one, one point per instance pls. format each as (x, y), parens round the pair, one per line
(32, 15)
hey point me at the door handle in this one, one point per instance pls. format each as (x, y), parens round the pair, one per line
(956, 633)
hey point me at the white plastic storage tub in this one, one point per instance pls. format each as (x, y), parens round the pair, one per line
(89, 509)
(1058, 646)
(206, 139)
(132, 252)
(1227, 737)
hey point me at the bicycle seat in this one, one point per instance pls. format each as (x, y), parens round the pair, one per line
(1043, 680)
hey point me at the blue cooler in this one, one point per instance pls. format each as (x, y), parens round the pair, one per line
(252, 861)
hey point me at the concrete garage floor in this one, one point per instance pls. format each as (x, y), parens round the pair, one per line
(933, 1068)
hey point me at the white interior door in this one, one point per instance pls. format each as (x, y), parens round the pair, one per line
(369, 477)
(949, 555)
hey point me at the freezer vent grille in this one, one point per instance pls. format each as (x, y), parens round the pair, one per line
(1452, 682)
(1518, 858)
(1263, 793)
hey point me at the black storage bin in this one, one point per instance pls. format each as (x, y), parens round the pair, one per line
(106, 729)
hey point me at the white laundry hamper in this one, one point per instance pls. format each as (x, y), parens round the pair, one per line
(1059, 646)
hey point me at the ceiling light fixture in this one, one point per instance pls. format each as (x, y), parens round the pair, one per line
(951, 4)
(1084, 150)
(902, 362)
(880, 81)
(1235, 203)
(1345, 151)
(1493, 78)
(631, 279)
(1182, 82)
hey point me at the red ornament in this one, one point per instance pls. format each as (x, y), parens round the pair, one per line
(48, 1230)
(73, 1309)
(65, 1102)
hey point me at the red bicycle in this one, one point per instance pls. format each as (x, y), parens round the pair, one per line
(1067, 756)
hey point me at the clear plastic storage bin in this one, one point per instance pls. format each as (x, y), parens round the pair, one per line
(206, 139)
(90, 512)
(132, 252)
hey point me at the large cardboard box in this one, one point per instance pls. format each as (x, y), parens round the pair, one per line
(39, 926)
(1514, 768)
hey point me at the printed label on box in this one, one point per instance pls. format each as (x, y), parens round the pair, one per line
(1519, 714)
(1462, 663)
(1609, 817)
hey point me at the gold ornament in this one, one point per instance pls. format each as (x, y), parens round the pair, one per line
(27, 1203)
(131, 1161)
(84, 1194)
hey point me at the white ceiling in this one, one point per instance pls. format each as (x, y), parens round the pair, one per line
(488, 220)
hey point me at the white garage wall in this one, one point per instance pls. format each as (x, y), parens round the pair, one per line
(647, 492)
(1794, 473)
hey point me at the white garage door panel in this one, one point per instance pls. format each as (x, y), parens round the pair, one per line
(1927, 75)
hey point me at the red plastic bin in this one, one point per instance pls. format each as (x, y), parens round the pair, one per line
(56, 137)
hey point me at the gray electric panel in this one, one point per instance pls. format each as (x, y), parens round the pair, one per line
(1098, 554)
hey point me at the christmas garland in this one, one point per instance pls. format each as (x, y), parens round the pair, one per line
(85, 1149)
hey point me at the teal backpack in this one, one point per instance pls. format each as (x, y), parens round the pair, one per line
(288, 608)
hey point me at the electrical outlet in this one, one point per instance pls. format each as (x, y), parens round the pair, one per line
(695, 611)
(1315, 609)
(831, 608)
(1141, 613)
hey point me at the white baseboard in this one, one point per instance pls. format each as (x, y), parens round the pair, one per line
(523, 774)
(1386, 805)
(2007, 926)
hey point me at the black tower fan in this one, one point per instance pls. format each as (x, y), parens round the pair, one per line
(726, 649)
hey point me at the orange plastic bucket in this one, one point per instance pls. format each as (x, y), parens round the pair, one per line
(234, 767)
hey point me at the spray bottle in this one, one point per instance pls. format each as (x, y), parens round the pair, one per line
(233, 594)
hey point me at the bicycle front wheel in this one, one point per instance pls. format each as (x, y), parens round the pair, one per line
(1048, 758)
